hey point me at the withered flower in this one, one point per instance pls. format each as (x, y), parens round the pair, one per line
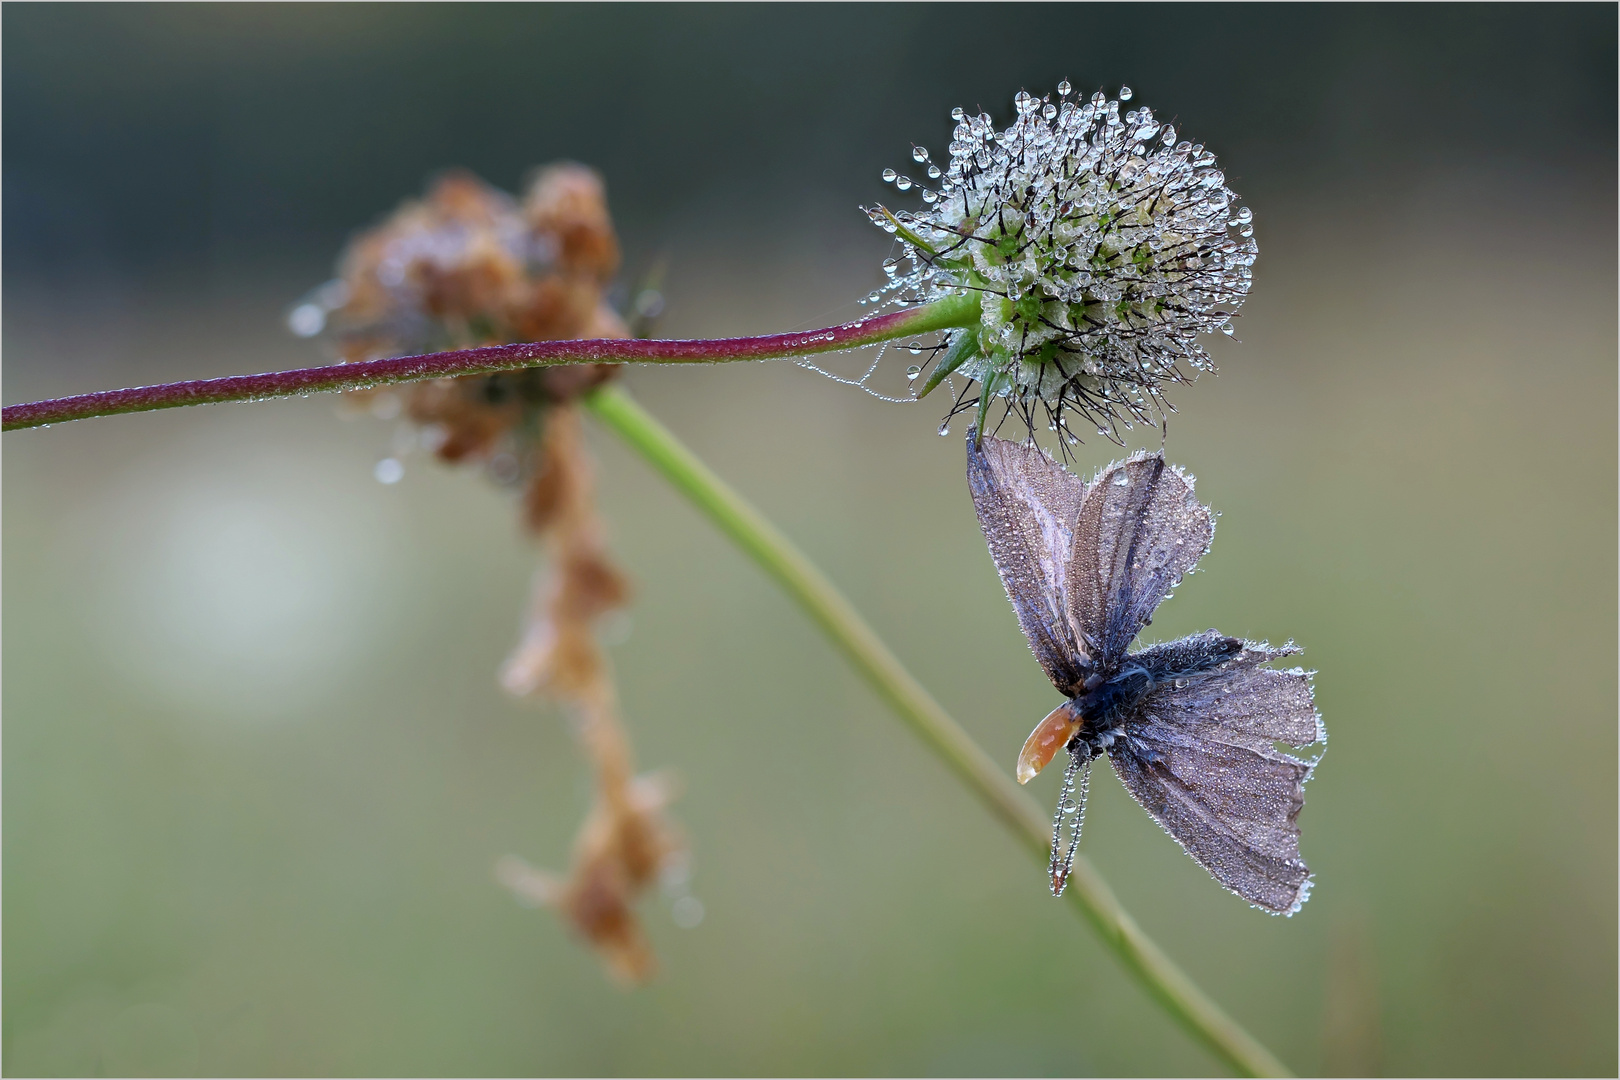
(559, 653)
(625, 845)
(469, 265)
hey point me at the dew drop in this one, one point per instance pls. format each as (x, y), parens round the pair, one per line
(504, 468)
(903, 183)
(945, 428)
(1064, 89)
(888, 175)
(912, 372)
(687, 912)
(307, 320)
(919, 153)
(1125, 93)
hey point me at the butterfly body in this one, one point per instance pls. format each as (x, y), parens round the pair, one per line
(1189, 726)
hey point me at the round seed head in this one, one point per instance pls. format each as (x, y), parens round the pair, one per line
(1101, 249)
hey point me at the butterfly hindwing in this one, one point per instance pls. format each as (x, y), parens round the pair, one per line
(1139, 530)
(1027, 504)
(1198, 756)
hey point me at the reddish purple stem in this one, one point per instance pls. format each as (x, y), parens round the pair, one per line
(484, 361)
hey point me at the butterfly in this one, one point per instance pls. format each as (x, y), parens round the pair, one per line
(1189, 726)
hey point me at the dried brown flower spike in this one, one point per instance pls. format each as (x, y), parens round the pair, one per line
(624, 846)
(559, 654)
(466, 266)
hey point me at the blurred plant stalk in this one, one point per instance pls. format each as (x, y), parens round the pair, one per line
(956, 311)
(836, 616)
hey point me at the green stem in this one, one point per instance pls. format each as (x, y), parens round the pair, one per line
(843, 625)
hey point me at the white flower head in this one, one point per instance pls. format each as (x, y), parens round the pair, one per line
(1101, 248)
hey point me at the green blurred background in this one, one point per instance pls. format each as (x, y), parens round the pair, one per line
(257, 769)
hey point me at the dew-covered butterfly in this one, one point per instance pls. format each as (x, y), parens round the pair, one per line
(1189, 726)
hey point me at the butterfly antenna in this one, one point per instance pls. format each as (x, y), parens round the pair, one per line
(1076, 781)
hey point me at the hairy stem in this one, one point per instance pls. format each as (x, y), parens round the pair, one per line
(943, 314)
(843, 625)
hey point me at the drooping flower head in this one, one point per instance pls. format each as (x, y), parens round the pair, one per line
(1102, 248)
(470, 265)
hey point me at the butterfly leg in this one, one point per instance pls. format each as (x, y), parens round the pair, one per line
(1071, 807)
(1145, 753)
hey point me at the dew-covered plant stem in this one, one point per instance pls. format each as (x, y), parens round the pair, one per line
(832, 612)
(944, 314)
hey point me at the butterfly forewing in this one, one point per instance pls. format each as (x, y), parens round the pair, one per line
(1139, 530)
(1027, 504)
(1200, 760)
